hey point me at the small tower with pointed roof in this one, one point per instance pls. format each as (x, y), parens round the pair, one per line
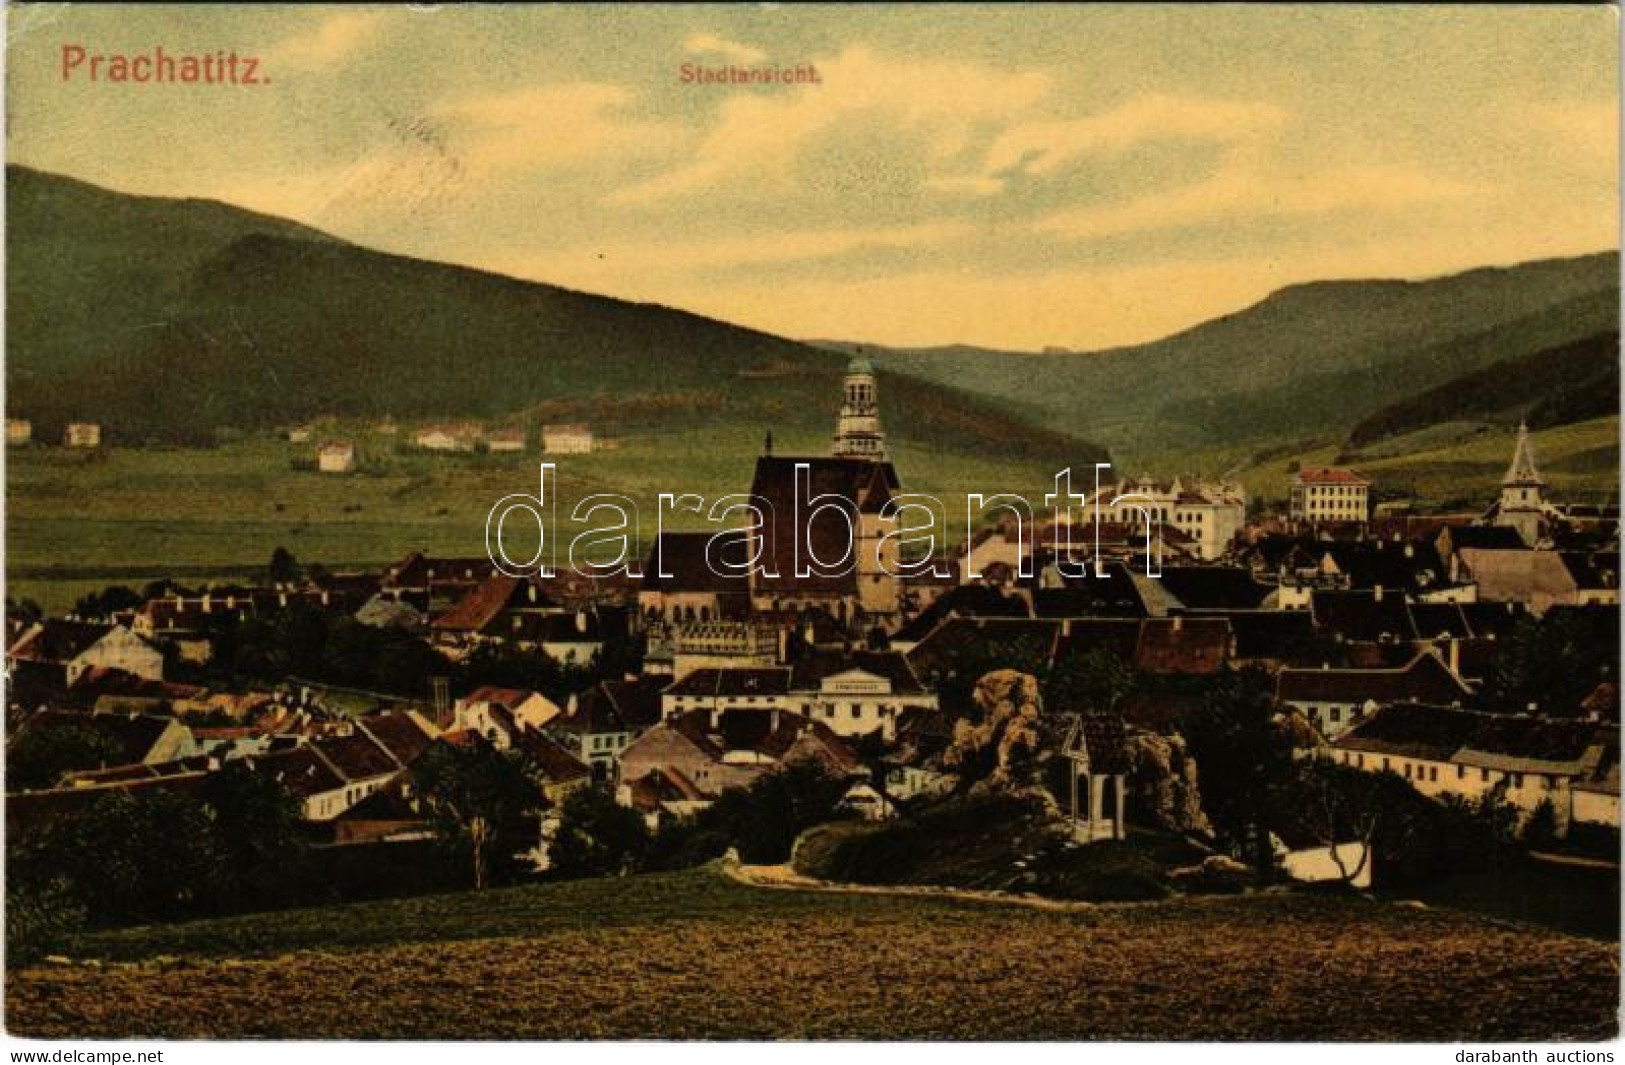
(1523, 491)
(857, 431)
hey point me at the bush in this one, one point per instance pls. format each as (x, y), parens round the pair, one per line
(764, 819)
(39, 918)
(598, 837)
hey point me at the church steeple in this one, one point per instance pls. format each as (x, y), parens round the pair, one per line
(1523, 492)
(857, 432)
(1522, 472)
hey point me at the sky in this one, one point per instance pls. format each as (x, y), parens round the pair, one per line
(1010, 176)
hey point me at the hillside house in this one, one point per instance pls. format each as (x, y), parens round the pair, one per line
(337, 456)
(446, 437)
(82, 434)
(299, 434)
(568, 438)
(505, 441)
(18, 431)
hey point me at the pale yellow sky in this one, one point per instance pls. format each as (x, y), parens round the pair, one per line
(1008, 176)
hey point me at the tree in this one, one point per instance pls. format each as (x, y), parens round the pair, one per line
(24, 611)
(145, 855)
(257, 823)
(764, 819)
(38, 756)
(283, 568)
(107, 602)
(1336, 805)
(1091, 682)
(472, 793)
(1556, 660)
(597, 837)
(1240, 757)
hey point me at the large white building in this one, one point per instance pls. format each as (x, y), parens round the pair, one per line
(1209, 512)
(1329, 494)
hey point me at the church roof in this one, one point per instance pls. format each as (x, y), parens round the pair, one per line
(1522, 470)
(853, 482)
(860, 363)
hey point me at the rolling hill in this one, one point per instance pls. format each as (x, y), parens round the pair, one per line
(1305, 364)
(169, 319)
(1553, 386)
(695, 955)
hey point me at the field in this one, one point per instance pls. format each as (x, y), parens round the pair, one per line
(78, 521)
(696, 955)
(1459, 464)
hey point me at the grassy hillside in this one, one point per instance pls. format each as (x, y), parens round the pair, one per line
(206, 317)
(1553, 386)
(693, 955)
(1307, 362)
(76, 522)
(92, 270)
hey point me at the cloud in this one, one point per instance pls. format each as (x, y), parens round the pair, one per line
(758, 137)
(336, 37)
(733, 51)
(1239, 191)
(551, 125)
(1043, 147)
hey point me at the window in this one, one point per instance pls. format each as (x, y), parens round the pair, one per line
(1484, 776)
(1517, 780)
(1337, 713)
(1461, 772)
(1433, 774)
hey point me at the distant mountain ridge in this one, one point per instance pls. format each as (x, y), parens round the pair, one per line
(167, 319)
(1307, 362)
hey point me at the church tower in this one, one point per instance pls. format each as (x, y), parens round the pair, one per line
(1523, 492)
(857, 432)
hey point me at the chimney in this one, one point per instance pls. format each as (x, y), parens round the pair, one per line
(581, 621)
(1378, 593)
(1179, 622)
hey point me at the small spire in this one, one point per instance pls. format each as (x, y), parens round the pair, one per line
(767, 445)
(1522, 470)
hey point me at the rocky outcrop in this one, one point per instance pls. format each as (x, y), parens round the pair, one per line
(1163, 783)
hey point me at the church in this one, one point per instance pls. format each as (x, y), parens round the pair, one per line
(1523, 506)
(818, 519)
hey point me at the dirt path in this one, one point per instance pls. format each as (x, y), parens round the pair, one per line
(785, 878)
